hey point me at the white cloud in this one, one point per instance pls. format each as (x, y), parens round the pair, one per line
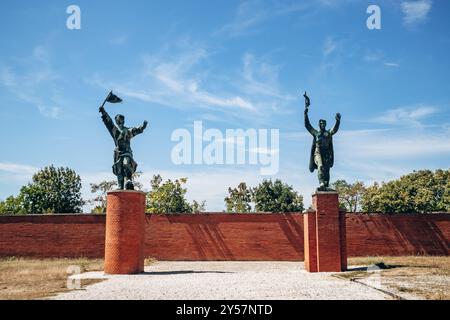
(373, 56)
(391, 64)
(380, 145)
(406, 116)
(32, 85)
(17, 168)
(259, 77)
(377, 56)
(180, 76)
(415, 11)
(173, 78)
(329, 46)
(250, 14)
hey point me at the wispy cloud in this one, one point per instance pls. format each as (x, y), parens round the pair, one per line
(378, 145)
(32, 86)
(391, 64)
(332, 55)
(377, 57)
(177, 80)
(329, 46)
(406, 116)
(17, 168)
(259, 77)
(415, 12)
(15, 173)
(182, 76)
(251, 14)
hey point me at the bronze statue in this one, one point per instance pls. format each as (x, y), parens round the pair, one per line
(322, 154)
(124, 165)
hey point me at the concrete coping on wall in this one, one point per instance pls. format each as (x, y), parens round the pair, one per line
(226, 213)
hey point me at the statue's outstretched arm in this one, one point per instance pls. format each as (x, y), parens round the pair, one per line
(308, 125)
(140, 129)
(338, 123)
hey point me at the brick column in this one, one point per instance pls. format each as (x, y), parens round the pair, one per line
(343, 234)
(310, 241)
(325, 241)
(125, 232)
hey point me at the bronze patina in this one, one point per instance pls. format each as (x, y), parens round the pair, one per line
(124, 165)
(322, 153)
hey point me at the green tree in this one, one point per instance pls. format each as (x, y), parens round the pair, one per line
(198, 207)
(276, 196)
(239, 199)
(169, 197)
(53, 190)
(102, 188)
(350, 194)
(422, 191)
(12, 206)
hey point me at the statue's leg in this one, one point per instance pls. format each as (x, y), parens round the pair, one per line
(120, 181)
(128, 172)
(120, 174)
(320, 169)
(326, 178)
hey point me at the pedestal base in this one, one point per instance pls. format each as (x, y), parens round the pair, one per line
(125, 232)
(325, 239)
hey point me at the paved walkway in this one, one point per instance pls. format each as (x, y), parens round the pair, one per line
(223, 281)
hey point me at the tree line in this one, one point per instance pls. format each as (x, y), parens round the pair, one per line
(58, 190)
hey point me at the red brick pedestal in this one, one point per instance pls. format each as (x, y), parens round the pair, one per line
(325, 239)
(125, 232)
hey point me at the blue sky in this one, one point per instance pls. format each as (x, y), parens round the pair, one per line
(230, 64)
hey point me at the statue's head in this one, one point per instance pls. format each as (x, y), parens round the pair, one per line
(120, 120)
(322, 124)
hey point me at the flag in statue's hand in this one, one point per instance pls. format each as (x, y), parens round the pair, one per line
(112, 98)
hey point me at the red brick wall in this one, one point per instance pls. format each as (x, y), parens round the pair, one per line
(398, 234)
(223, 236)
(53, 236)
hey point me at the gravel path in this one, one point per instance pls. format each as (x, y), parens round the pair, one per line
(224, 281)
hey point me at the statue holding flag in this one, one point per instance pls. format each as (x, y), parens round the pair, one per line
(124, 165)
(322, 153)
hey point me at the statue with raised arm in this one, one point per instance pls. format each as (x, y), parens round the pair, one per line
(322, 153)
(124, 165)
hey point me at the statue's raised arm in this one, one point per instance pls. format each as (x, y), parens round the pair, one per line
(107, 121)
(308, 125)
(140, 129)
(337, 124)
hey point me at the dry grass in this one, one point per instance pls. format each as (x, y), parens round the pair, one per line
(33, 278)
(23, 278)
(425, 277)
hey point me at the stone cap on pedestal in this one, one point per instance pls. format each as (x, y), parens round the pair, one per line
(324, 192)
(125, 191)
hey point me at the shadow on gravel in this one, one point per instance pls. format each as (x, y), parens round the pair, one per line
(380, 266)
(163, 273)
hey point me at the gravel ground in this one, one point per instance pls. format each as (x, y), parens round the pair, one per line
(223, 281)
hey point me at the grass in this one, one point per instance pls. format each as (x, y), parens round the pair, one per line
(426, 277)
(24, 278)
